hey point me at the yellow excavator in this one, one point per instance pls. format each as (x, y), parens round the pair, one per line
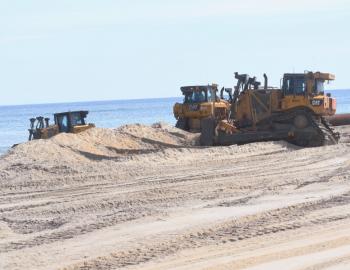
(201, 101)
(295, 112)
(68, 122)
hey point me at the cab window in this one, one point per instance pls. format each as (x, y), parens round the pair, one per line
(195, 97)
(211, 95)
(77, 120)
(63, 123)
(319, 87)
(294, 86)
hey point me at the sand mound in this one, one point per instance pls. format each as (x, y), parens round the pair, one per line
(67, 154)
(101, 142)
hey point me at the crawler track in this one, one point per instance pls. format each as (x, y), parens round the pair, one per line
(317, 133)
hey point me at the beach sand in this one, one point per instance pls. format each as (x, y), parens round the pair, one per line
(148, 197)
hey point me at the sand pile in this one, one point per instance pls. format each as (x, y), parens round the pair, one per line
(100, 143)
(88, 152)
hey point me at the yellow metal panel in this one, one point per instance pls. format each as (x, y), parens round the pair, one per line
(324, 76)
(203, 110)
(77, 129)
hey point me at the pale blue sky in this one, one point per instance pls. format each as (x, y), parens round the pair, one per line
(78, 50)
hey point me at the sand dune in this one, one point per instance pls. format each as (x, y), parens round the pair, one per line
(142, 197)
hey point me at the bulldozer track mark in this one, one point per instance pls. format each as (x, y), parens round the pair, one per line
(64, 211)
(271, 222)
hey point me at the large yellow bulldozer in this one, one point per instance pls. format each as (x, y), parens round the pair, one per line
(201, 102)
(68, 122)
(295, 112)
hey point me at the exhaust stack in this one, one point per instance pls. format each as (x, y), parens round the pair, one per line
(265, 81)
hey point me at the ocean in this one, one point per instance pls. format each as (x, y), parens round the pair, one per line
(14, 120)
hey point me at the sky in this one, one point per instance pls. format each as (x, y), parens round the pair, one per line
(84, 50)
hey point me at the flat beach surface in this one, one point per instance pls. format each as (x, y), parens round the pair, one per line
(142, 197)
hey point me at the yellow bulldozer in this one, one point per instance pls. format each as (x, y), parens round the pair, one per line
(295, 112)
(201, 102)
(68, 122)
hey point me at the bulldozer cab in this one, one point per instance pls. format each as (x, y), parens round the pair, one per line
(301, 84)
(307, 90)
(294, 84)
(199, 94)
(66, 121)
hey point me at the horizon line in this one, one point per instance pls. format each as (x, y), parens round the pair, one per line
(104, 100)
